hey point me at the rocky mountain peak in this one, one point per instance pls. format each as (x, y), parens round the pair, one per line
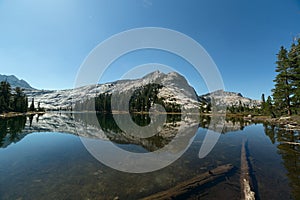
(224, 98)
(174, 85)
(219, 93)
(15, 82)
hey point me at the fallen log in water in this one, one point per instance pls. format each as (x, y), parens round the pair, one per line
(247, 193)
(186, 186)
(294, 143)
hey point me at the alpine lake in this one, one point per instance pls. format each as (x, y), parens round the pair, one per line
(43, 157)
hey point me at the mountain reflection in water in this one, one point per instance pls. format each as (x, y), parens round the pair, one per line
(270, 153)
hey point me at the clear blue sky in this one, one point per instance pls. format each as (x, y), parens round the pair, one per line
(45, 42)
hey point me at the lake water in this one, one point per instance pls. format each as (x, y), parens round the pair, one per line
(43, 157)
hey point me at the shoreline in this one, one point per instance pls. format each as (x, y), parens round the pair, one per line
(289, 122)
(17, 114)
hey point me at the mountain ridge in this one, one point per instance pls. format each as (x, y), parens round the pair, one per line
(15, 82)
(176, 85)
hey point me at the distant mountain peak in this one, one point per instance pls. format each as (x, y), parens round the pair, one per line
(15, 82)
(225, 98)
(223, 93)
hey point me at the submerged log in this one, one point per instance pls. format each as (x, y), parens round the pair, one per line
(186, 186)
(247, 193)
(294, 143)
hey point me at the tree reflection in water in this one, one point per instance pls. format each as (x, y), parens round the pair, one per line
(290, 153)
(10, 129)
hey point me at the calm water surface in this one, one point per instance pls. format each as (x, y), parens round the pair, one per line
(42, 157)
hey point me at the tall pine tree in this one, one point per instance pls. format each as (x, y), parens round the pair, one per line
(294, 62)
(5, 96)
(15, 101)
(32, 108)
(20, 103)
(283, 88)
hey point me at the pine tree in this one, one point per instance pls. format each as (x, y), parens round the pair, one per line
(19, 101)
(269, 107)
(263, 98)
(263, 102)
(16, 102)
(283, 88)
(294, 62)
(31, 108)
(26, 104)
(5, 96)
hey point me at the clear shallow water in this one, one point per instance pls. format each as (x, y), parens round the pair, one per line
(42, 162)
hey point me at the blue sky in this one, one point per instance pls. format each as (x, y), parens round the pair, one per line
(45, 42)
